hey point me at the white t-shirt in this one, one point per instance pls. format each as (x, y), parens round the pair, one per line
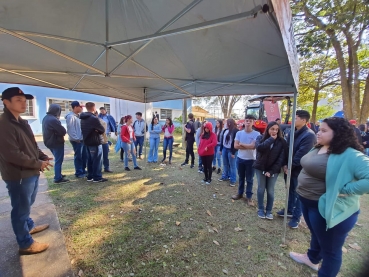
(246, 138)
(228, 144)
(130, 130)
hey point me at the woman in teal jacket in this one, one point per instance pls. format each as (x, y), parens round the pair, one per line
(155, 131)
(334, 174)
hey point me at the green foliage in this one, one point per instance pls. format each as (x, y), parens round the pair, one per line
(178, 130)
(178, 119)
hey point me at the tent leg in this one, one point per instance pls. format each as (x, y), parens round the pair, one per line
(145, 114)
(290, 154)
(184, 118)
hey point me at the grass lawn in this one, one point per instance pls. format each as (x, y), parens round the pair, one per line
(162, 221)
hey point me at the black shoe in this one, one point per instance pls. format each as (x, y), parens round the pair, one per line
(214, 168)
(184, 164)
(63, 176)
(62, 180)
(137, 168)
(192, 166)
(170, 162)
(100, 180)
(90, 179)
(219, 171)
(127, 169)
(108, 171)
(162, 161)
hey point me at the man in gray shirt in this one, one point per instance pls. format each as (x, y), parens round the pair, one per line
(139, 129)
(245, 143)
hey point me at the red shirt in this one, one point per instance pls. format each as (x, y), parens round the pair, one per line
(124, 134)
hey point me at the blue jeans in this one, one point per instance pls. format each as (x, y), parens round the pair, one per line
(268, 184)
(229, 165)
(200, 162)
(58, 161)
(94, 164)
(217, 157)
(80, 158)
(22, 195)
(294, 204)
(168, 142)
(154, 148)
(325, 244)
(245, 171)
(105, 149)
(139, 141)
(129, 148)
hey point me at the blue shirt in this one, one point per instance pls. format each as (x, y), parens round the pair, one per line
(155, 131)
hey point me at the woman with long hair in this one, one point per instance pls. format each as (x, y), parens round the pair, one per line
(334, 175)
(217, 157)
(229, 152)
(199, 133)
(128, 137)
(155, 131)
(119, 130)
(270, 150)
(168, 130)
(206, 149)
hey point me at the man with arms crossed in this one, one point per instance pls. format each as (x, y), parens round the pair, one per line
(20, 163)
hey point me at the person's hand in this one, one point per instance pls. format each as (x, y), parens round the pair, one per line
(220, 152)
(253, 143)
(233, 156)
(285, 169)
(267, 174)
(134, 152)
(116, 133)
(130, 142)
(364, 142)
(45, 165)
(206, 148)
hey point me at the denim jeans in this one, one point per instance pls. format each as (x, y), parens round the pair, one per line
(139, 141)
(105, 149)
(168, 142)
(58, 154)
(154, 148)
(217, 157)
(22, 195)
(268, 184)
(80, 158)
(245, 171)
(325, 244)
(128, 148)
(294, 204)
(229, 165)
(94, 164)
(200, 162)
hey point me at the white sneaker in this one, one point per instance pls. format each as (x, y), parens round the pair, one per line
(303, 259)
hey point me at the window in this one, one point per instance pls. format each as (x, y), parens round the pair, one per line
(64, 104)
(30, 111)
(107, 108)
(164, 113)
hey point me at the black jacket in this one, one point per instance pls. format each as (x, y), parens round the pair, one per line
(52, 130)
(233, 136)
(305, 139)
(270, 158)
(358, 135)
(190, 137)
(91, 129)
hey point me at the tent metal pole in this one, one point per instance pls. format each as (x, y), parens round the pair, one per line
(196, 27)
(145, 119)
(49, 49)
(184, 118)
(290, 155)
(106, 37)
(166, 26)
(153, 73)
(80, 79)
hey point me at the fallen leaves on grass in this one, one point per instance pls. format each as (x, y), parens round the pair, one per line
(283, 245)
(215, 229)
(225, 271)
(80, 273)
(215, 242)
(238, 229)
(344, 249)
(355, 246)
(178, 223)
(209, 213)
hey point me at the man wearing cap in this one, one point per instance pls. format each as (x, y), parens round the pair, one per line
(357, 131)
(20, 163)
(76, 139)
(53, 133)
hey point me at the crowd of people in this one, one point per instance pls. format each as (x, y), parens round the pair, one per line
(329, 170)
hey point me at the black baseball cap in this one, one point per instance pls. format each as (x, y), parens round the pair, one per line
(75, 104)
(14, 91)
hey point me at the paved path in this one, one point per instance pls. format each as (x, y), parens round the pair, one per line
(52, 263)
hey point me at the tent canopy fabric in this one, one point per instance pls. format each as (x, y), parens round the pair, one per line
(148, 51)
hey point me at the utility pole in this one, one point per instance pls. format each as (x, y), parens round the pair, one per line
(184, 120)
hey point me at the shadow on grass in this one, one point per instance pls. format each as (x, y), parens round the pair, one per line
(162, 222)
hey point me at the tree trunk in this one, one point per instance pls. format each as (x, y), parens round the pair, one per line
(315, 105)
(364, 114)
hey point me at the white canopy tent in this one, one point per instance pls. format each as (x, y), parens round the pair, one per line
(148, 51)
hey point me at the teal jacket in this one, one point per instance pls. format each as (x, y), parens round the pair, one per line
(347, 178)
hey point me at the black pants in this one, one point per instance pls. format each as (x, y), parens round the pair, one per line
(207, 162)
(121, 153)
(189, 151)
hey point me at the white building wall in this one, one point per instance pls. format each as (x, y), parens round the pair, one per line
(119, 108)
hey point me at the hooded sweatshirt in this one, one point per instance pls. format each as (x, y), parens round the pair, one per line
(52, 130)
(74, 127)
(91, 129)
(208, 142)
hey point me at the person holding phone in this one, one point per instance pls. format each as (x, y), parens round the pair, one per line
(270, 151)
(20, 164)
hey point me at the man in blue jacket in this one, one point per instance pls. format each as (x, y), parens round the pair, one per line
(304, 141)
(110, 122)
(53, 133)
